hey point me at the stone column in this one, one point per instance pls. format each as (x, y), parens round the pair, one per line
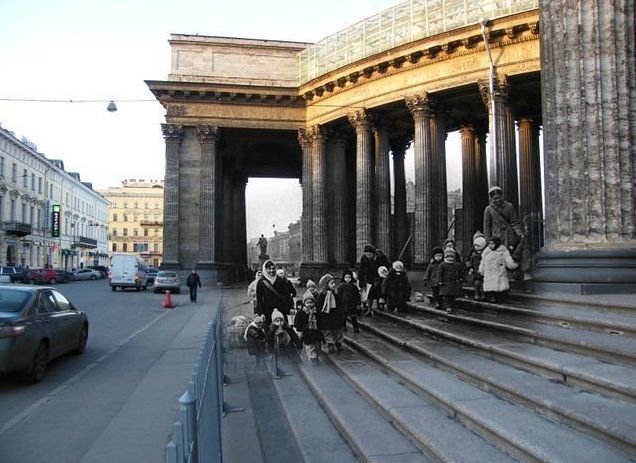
(239, 246)
(419, 105)
(340, 215)
(361, 121)
(503, 158)
(319, 193)
(470, 188)
(439, 196)
(398, 149)
(530, 209)
(382, 189)
(228, 241)
(589, 118)
(307, 214)
(172, 133)
(482, 173)
(208, 207)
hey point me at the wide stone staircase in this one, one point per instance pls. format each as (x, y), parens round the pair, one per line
(531, 379)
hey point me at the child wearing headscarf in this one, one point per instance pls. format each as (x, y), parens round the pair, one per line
(331, 317)
(255, 336)
(396, 288)
(306, 322)
(349, 298)
(430, 276)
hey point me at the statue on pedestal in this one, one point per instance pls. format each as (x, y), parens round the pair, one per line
(262, 244)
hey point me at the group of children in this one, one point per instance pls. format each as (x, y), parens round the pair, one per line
(487, 265)
(323, 310)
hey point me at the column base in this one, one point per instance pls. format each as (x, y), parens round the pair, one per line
(313, 271)
(598, 271)
(170, 265)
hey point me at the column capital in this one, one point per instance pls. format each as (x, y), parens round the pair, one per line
(361, 119)
(303, 138)
(399, 146)
(467, 130)
(172, 132)
(208, 133)
(419, 105)
(318, 132)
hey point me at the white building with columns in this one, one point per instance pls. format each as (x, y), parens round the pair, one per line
(48, 217)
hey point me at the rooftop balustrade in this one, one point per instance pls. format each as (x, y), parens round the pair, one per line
(403, 23)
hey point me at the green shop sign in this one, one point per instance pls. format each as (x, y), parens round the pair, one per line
(55, 221)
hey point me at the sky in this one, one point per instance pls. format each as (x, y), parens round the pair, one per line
(100, 50)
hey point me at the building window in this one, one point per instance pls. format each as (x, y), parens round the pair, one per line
(13, 210)
(155, 247)
(135, 205)
(145, 232)
(1, 166)
(32, 216)
(125, 217)
(145, 204)
(125, 232)
(156, 205)
(14, 173)
(25, 178)
(114, 247)
(32, 182)
(67, 203)
(125, 205)
(156, 232)
(135, 232)
(40, 185)
(125, 247)
(51, 191)
(135, 218)
(1, 208)
(114, 232)
(114, 217)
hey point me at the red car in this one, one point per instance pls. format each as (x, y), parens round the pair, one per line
(42, 276)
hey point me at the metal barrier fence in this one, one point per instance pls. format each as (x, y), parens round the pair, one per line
(197, 431)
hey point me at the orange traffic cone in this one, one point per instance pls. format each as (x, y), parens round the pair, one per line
(167, 301)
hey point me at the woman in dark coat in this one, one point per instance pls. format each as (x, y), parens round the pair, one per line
(271, 293)
(396, 288)
(349, 298)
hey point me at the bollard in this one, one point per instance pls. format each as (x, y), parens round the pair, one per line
(167, 301)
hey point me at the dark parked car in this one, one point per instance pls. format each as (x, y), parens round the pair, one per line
(16, 274)
(41, 276)
(37, 324)
(152, 273)
(64, 276)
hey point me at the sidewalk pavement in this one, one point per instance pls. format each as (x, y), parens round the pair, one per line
(142, 428)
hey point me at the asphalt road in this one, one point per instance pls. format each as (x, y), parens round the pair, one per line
(117, 402)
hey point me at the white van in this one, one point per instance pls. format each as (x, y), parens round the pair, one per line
(127, 271)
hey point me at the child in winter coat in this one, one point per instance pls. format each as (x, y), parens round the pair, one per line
(307, 323)
(495, 263)
(331, 316)
(450, 276)
(281, 338)
(474, 259)
(430, 276)
(396, 288)
(375, 294)
(256, 336)
(349, 298)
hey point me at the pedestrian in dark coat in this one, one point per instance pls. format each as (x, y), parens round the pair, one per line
(286, 288)
(450, 277)
(193, 282)
(306, 322)
(376, 298)
(367, 271)
(349, 298)
(396, 288)
(269, 293)
(331, 316)
(430, 276)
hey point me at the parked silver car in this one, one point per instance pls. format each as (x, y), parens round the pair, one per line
(37, 324)
(167, 281)
(87, 274)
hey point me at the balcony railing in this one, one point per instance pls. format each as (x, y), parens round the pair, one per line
(85, 242)
(403, 23)
(17, 228)
(151, 223)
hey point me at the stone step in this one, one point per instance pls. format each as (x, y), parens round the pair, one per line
(589, 373)
(602, 345)
(616, 303)
(373, 438)
(317, 437)
(519, 431)
(430, 427)
(611, 420)
(595, 318)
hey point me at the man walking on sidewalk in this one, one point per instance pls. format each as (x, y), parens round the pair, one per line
(193, 282)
